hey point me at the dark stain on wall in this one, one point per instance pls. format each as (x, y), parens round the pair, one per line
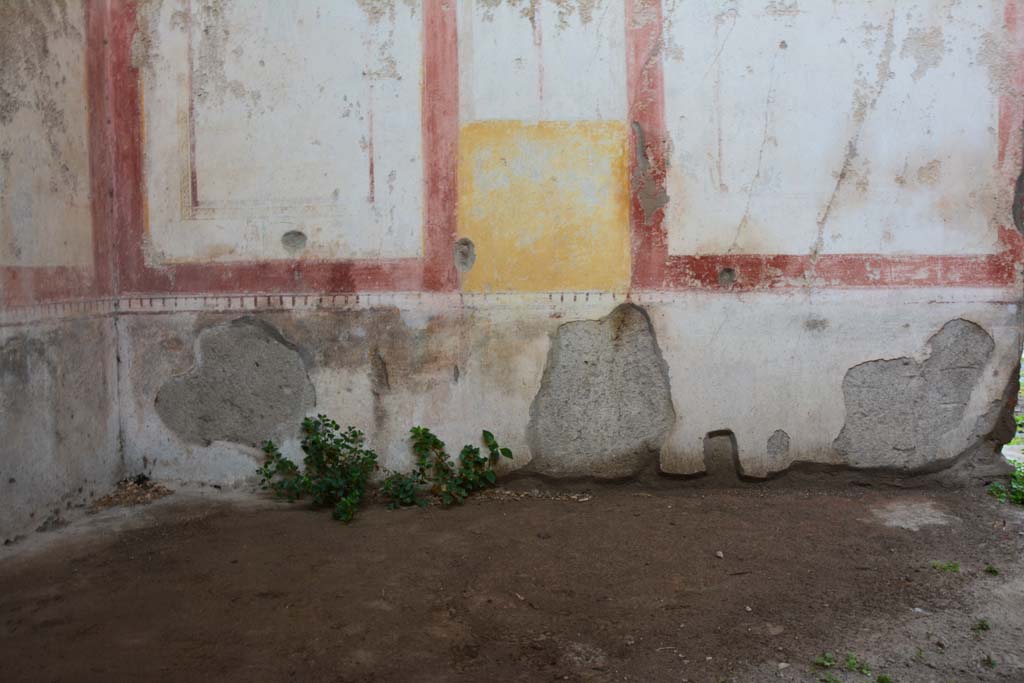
(465, 254)
(380, 385)
(57, 420)
(778, 446)
(721, 457)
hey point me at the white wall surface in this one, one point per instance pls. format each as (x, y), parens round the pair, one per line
(768, 103)
(45, 216)
(752, 364)
(554, 62)
(306, 116)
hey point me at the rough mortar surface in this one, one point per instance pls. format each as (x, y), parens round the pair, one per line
(604, 406)
(249, 384)
(778, 446)
(900, 411)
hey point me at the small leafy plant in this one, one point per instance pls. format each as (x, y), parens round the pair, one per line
(336, 469)
(883, 679)
(436, 471)
(1018, 437)
(981, 625)
(825, 661)
(948, 567)
(403, 490)
(991, 571)
(854, 663)
(1014, 493)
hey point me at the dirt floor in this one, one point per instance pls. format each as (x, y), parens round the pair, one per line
(615, 583)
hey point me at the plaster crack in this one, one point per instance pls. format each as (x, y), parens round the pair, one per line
(714, 61)
(860, 112)
(760, 158)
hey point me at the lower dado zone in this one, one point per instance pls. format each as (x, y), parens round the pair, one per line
(186, 389)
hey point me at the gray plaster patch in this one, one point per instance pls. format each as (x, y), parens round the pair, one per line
(778, 446)
(249, 384)
(899, 411)
(651, 193)
(604, 406)
(912, 516)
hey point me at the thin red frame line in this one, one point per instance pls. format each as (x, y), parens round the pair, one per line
(655, 268)
(434, 271)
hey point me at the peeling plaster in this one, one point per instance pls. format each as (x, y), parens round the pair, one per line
(925, 47)
(901, 413)
(249, 384)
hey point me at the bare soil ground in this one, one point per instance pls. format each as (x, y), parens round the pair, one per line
(616, 583)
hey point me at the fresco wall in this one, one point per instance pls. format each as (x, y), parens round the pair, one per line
(58, 378)
(605, 229)
(610, 231)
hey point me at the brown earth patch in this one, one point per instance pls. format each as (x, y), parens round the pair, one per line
(618, 582)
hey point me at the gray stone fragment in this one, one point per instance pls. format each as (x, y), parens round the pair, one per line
(899, 411)
(249, 384)
(604, 406)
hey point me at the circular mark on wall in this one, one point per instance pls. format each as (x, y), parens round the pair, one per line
(465, 254)
(726, 277)
(293, 241)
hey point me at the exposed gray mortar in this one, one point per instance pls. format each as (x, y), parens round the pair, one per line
(778, 448)
(249, 384)
(604, 407)
(899, 412)
(983, 460)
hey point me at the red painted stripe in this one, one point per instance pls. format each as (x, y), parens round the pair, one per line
(193, 176)
(100, 170)
(369, 149)
(440, 111)
(645, 82)
(842, 271)
(26, 285)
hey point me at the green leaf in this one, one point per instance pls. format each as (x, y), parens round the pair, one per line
(507, 452)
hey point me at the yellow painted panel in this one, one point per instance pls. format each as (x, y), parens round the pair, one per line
(546, 205)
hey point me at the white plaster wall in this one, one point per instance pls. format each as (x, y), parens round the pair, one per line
(756, 363)
(58, 419)
(45, 216)
(542, 61)
(840, 127)
(750, 363)
(305, 116)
